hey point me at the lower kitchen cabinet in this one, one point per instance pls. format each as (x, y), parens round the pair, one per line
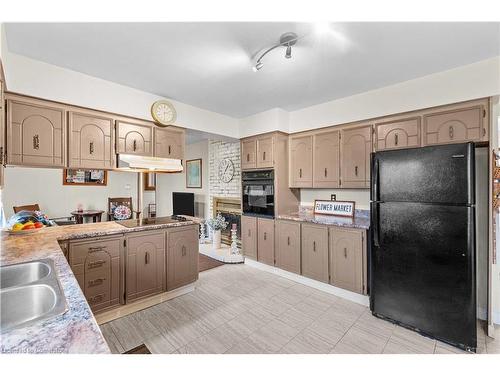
(288, 246)
(265, 241)
(145, 264)
(182, 256)
(315, 252)
(346, 259)
(98, 266)
(249, 236)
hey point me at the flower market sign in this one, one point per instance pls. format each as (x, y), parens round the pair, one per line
(337, 208)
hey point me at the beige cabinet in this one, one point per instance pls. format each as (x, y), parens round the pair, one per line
(399, 133)
(98, 266)
(265, 157)
(301, 161)
(36, 133)
(346, 259)
(457, 124)
(248, 153)
(90, 141)
(2, 132)
(249, 236)
(287, 250)
(265, 241)
(326, 173)
(182, 256)
(145, 264)
(314, 256)
(356, 146)
(134, 138)
(169, 143)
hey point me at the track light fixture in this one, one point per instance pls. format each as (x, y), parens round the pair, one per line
(286, 40)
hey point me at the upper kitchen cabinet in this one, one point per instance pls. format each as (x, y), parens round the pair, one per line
(169, 142)
(458, 123)
(90, 141)
(326, 155)
(301, 161)
(248, 153)
(134, 137)
(36, 133)
(265, 158)
(356, 146)
(397, 133)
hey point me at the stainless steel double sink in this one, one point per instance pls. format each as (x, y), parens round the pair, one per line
(29, 292)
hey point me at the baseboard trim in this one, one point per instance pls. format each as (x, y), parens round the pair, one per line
(130, 308)
(327, 288)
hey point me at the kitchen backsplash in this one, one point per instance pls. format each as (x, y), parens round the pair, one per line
(360, 196)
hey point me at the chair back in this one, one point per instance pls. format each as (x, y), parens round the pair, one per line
(28, 207)
(115, 202)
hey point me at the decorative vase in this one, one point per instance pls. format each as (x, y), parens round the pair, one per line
(216, 240)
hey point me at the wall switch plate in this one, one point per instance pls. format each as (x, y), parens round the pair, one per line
(333, 197)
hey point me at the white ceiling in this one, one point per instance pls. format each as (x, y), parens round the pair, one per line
(208, 65)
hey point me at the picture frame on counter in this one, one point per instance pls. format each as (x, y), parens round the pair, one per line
(334, 208)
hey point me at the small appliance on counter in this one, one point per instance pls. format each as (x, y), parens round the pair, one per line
(258, 193)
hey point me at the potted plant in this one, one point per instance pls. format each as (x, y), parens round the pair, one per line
(217, 224)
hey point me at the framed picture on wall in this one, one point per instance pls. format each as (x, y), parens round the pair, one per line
(193, 174)
(94, 177)
(149, 181)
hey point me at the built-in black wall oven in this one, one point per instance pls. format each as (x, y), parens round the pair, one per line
(258, 193)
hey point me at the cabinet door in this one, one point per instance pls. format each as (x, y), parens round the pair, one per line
(288, 246)
(265, 157)
(301, 161)
(145, 264)
(455, 126)
(326, 160)
(134, 139)
(249, 236)
(36, 134)
(2, 132)
(401, 133)
(355, 157)
(265, 241)
(248, 154)
(315, 252)
(169, 143)
(346, 259)
(90, 141)
(182, 256)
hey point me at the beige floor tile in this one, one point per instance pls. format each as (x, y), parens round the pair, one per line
(375, 326)
(492, 345)
(184, 333)
(129, 332)
(159, 344)
(332, 334)
(273, 336)
(307, 342)
(290, 296)
(207, 344)
(360, 341)
(318, 302)
(295, 318)
(442, 348)
(405, 341)
(275, 305)
(246, 347)
(228, 334)
(110, 337)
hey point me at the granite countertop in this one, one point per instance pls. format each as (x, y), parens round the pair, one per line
(361, 219)
(76, 331)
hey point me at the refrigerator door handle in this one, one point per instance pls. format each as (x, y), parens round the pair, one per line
(375, 222)
(375, 180)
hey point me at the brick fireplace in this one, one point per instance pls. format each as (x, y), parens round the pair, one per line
(230, 209)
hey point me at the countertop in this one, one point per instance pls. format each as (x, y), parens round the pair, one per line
(76, 331)
(361, 219)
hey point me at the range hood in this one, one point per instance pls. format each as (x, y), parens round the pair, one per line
(136, 163)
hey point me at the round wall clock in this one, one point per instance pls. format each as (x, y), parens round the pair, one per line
(163, 112)
(226, 170)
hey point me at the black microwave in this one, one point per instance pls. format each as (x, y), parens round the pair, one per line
(258, 193)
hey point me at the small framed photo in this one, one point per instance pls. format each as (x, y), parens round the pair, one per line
(94, 177)
(335, 208)
(193, 174)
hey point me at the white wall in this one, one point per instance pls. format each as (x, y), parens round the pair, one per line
(263, 122)
(169, 182)
(44, 186)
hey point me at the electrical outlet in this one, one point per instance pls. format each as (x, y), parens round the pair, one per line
(333, 197)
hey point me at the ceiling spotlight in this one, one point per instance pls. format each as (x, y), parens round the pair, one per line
(286, 40)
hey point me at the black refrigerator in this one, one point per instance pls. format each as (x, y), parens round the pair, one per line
(422, 269)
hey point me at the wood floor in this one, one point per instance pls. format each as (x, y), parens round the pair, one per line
(240, 309)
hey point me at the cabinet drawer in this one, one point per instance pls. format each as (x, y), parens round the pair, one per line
(79, 251)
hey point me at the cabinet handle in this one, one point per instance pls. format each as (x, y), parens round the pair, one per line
(264, 155)
(265, 236)
(450, 131)
(97, 298)
(97, 263)
(300, 172)
(134, 145)
(314, 246)
(249, 233)
(484, 132)
(356, 170)
(345, 252)
(36, 142)
(91, 147)
(396, 139)
(97, 248)
(326, 172)
(288, 240)
(96, 282)
(146, 258)
(183, 250)
(169, 149)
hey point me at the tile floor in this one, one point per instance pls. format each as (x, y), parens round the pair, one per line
(240, 309)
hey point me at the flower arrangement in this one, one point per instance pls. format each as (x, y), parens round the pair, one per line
(217, 223)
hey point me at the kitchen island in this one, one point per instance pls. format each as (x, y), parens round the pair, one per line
(75, 331)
